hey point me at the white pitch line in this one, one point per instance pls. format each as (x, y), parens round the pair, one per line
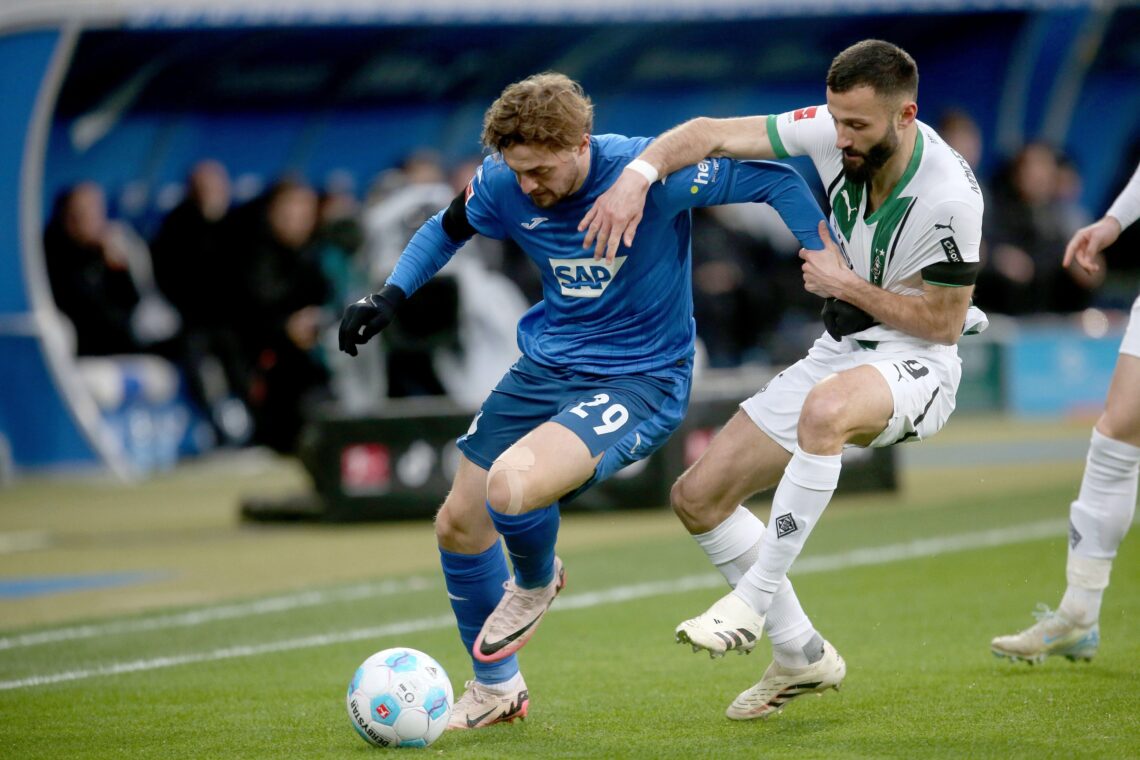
(229, 653)
(24, 541)
(223, 612)
(881, 555)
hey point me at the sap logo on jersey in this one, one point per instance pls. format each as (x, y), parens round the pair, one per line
(585, 278)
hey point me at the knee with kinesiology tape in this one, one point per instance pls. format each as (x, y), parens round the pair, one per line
(506, 481)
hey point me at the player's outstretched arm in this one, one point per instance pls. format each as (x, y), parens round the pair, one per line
(614, 217)
(1088, 242)
(433, 245)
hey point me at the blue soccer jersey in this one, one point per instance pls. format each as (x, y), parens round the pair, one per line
(636, 314)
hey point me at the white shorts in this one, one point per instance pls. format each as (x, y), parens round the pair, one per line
(1131, 342)
(923, 381)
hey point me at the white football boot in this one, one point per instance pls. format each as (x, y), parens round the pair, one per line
(729, 624)
(781, 685)
(480, 707)
(516, 617)
(1052, 635)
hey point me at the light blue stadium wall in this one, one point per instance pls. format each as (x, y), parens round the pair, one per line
(40, 427)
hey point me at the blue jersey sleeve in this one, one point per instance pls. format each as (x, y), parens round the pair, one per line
(492, 181)
(719, 181)
(426, 253)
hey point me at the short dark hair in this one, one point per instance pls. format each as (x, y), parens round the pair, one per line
(885, 68)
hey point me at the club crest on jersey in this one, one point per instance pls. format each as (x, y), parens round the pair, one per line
(585, 278)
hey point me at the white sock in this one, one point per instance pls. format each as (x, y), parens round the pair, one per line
(789, 629)
(804, 492)
(1098, 521)
(733, 547)
(734, 544)
(801, 652)
(511, 685)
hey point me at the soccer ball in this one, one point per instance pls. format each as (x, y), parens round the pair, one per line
(400, 698)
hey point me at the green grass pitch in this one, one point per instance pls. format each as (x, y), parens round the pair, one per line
(241, 640)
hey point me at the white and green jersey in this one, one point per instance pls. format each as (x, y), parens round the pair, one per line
(928, 230)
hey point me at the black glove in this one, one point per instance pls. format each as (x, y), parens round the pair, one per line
(368, 316)
(841, 318)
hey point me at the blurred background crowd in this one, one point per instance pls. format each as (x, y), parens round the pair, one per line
(213, 185)
(243, 295)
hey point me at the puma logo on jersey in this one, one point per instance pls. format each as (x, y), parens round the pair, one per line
(847, 200)
(585, 278)
(948, 226)
(535, 222)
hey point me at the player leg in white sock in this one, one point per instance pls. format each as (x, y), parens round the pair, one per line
(733, 547)
(1098, 522)
(804, 492)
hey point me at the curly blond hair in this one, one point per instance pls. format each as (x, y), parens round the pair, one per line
(548, 109)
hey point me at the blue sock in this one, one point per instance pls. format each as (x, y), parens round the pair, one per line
(530, 539)
(475, 586)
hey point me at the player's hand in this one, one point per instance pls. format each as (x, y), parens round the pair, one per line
(614, 217)
(367, 317)
(1088, 242)
(825, 270)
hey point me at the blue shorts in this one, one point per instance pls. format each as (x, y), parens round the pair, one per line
(622, 417)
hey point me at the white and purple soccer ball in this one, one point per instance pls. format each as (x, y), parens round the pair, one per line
(400, 697)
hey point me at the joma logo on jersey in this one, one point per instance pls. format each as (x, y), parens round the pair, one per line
(585, 278)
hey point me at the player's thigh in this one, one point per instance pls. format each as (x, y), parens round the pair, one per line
(603, 424)
(852, 406)
(923, 387)
(1121, 418)
(776, 407)
(462, 524)
(740, 461)
(536, 470)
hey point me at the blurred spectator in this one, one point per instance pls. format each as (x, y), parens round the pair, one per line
(338, 244)
(736, 297)
(1026, 232)
(338, 239)
(281, 314)
(102, 279)
(962, 133)
(429, 321)
(193, 263)
(1070, 186)
(455, 336)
